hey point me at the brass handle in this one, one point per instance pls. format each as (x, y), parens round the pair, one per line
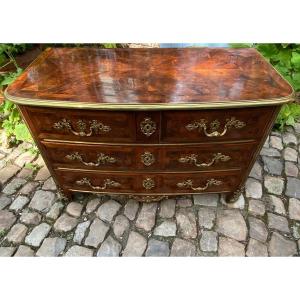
(214, 126)
(192, 159)
(147, 158)
(189, 184)
(101, 159)
(148, 183)
(148, 126)
(94, 127)
(107, 183)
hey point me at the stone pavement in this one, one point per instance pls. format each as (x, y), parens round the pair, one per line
(34, 221)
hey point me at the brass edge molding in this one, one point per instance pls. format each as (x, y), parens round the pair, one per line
(50, 141)
(154, 106)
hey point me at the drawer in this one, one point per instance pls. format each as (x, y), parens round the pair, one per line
(148, 183)
(150, 158)
(215, 125)
(82, 125)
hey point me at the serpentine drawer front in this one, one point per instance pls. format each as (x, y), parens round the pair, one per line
(150, 122)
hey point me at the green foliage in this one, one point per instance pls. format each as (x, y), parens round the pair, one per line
(288, 115)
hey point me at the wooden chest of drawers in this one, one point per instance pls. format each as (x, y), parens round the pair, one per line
(150, 122)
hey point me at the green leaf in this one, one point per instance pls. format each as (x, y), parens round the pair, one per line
(22, 133)
(296, 60)
(283, 57)
(267, 50)
(241, 45)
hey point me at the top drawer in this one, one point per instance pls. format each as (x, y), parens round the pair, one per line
(82, 125)
(215, 125)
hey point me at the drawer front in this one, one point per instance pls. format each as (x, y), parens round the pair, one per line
(215, 125)
(148, 183)
(82, 125)
(150, 158)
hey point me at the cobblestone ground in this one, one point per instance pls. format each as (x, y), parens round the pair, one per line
(265, 221)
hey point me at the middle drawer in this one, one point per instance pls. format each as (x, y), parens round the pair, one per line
(150, 158)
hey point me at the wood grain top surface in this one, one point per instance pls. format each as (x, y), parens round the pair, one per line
(148, 77)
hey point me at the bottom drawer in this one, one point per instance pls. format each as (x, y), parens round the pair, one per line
(148, 184)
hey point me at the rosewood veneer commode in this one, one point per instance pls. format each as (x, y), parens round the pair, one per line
(150, 122)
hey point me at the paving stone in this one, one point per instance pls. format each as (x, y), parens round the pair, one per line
(136, 245)
(7, 173)
(272, 165)
(274, 185)
(253, 188)
(146, 217)
(24, 251)
(167, 208)
(80, 231)
(39, 161)
(55, 210)
(276, 142)
(52, 247)
(184, 202)
(294, 209)
(92, 205)
(110, 247)
(28, 188)
(43, 174)
(17, 233)
(296, 230)
(206, 199)
(275, 204)
(74, 209)
(37, 235)
(230, 247)
(79, 251)
(257, 229)
(256, 207)
(157, 248)
(131, 208)
(256, 248)
(297, 128)
(186, 221)
(65, 223)
(30, 218)
(290, 154)
(270, 152)
(25, 173)
(290, 169)
(13, 186)
(267, 142)
(7, 251)
(19, 203)
(232, 224)
(293, 187)
(4, 201)
(49, 185)
(206, 217)
(182, 247)
(42, 201)
(166, 228)
(7, 219)
(281, 246)
(289, 138)
(209, 241)
(256, 171)
(120, 226)
(278, 222)
(108, 210)
(25, 158)
(97, 233)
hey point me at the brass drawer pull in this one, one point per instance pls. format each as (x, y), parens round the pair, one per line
(148, 126)
(94, 127)
(192, 159)
(214, 126)
(107, 183)
(147, 158)
(189, 184)
(148, 183)
(101, 160)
